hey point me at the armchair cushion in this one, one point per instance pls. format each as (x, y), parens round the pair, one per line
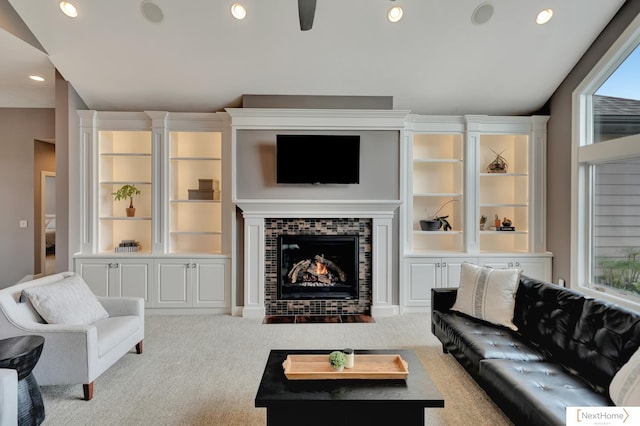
(68, 301)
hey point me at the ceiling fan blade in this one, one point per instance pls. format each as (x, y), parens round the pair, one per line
(306, 12)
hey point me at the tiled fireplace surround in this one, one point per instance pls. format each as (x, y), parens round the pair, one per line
(265, 220)
(322, 226)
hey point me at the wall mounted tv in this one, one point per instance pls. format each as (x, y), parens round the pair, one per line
(315, 159)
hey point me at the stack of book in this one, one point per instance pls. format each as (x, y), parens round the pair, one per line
(128, 246)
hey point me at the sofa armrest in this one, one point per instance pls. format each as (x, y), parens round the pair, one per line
(442, 299)
(122, 306)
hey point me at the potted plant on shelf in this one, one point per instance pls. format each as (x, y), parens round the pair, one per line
(337, 360)
(483, 222)
(127, 191)
(499, 164)
(434, 222)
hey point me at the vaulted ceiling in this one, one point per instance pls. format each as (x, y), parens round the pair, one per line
(436, 60)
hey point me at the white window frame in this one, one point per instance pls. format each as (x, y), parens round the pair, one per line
(584, 154)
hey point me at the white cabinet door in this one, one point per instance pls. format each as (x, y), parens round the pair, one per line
(450, 270)
(173, 283)
(209, 283)
(538, 268)
(117, 277)
(187, 283)
(427, 273)
(533, 267)
(423, 275)
(132, 278)
(96, 273)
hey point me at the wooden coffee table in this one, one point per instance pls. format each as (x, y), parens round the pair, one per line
(346, 402)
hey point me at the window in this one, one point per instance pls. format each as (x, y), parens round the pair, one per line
(606, 184)
(616, 103)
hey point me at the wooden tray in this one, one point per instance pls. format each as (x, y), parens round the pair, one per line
(317, 367)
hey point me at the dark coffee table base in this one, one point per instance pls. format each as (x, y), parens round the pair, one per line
(346, 415)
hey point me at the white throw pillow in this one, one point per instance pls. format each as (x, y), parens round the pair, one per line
(624, 389)
(68, 301)
(488, 294)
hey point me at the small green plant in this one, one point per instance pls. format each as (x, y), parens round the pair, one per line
(337, 359)
(126, 191)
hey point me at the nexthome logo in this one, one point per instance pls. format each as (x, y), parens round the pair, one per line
(602, 416)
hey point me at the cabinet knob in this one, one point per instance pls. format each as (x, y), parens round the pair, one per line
(444, 264)
(517, 263)
(438, 265)
(193, 265)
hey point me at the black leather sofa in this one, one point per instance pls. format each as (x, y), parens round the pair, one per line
(565, 353)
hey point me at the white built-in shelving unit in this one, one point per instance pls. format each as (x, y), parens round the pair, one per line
(184, 255)
(446, 159)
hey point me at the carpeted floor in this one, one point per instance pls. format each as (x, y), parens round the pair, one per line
(205, 370)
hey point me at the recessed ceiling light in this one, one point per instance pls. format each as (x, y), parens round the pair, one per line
(36, 78)
(238, 11)
(68, 9)
(544, 16)
(395, 14)
(151, 12)
(482, 14)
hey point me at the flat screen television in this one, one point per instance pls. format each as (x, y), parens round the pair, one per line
(316, 159)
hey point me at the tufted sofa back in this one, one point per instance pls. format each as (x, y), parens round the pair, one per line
(603, 340)
(590, 337)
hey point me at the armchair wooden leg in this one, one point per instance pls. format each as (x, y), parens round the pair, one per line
(139, 347)
(88, 391)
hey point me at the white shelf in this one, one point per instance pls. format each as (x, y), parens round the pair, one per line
(504, 174)
(196, 201)
(439, 194)
(125, 154)
(453, 232)
(498, 205)
(195, 233)
(516, 232)
(124, 182)
(436, 160)
(124, 218)
(196, 159)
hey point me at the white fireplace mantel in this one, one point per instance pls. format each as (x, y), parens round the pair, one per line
(318, 208)
(256, 211)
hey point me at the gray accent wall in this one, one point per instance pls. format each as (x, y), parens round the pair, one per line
(20, 128)
(559, 130)
(256, 167)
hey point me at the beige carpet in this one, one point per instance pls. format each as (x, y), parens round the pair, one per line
(205, 370)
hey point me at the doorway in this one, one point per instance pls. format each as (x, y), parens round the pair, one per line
(48, 222)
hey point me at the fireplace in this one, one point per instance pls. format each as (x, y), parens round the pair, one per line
(318, 267)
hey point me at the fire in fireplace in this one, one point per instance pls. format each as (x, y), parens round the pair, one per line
(318, 267)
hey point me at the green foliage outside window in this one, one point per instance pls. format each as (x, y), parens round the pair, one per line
(622, 273)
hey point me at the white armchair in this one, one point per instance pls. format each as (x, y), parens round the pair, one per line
(74, 354)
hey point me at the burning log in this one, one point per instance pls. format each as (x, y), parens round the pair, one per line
(295, 271)
(329, 264)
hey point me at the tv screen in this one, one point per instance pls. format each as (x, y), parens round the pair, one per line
(318, 159)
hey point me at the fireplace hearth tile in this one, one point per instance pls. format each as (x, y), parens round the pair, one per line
(317, 319)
